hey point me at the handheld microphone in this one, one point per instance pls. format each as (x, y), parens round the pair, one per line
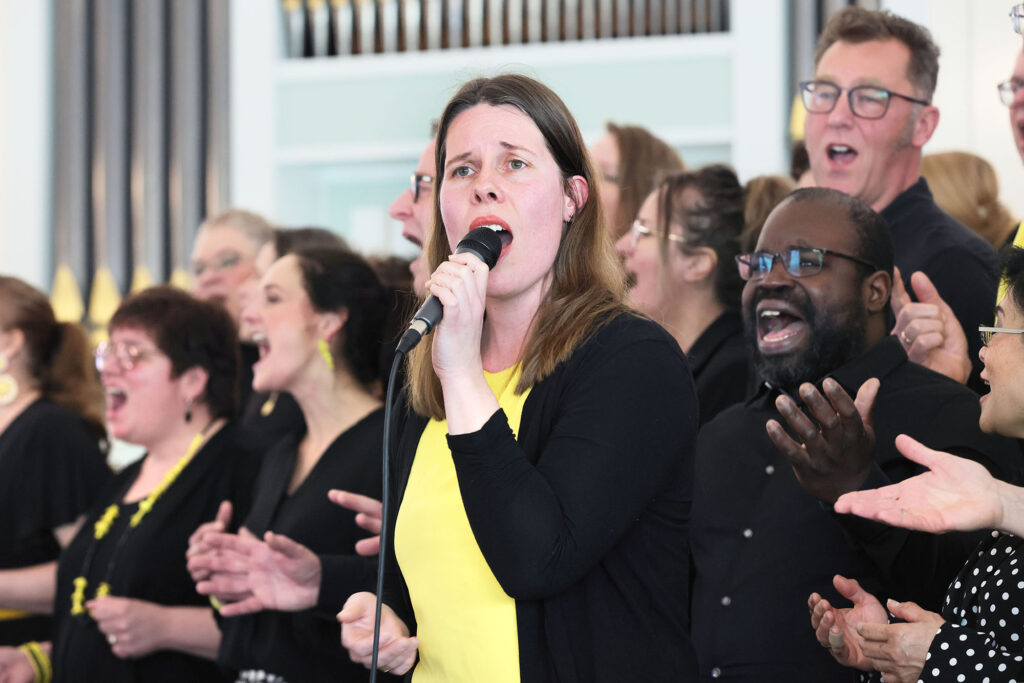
(486, 245)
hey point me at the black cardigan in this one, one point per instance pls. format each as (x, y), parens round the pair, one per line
(591, 539)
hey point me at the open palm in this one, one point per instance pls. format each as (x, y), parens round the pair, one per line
(955, 494)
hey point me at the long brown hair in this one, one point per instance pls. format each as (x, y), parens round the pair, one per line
(643, 161)
(59, 356)
(587, 288)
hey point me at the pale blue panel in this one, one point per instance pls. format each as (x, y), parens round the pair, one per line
(675, 93)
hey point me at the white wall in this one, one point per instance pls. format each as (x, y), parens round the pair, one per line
(978, 51)
(25, 139)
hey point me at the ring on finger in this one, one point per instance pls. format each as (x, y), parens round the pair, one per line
(905, 337)
(112, 639)
(835, 640)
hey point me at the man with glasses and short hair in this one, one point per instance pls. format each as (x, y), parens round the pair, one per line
(815, 308)
(414, 208)
(869, 113)
(920, 326)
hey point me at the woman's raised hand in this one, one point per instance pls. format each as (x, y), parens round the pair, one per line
(397, 650)
(368, 517)
(955, 494)
(250, 575)
(197, 541)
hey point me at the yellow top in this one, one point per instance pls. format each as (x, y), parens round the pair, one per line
(465, 622)
(1018, 241)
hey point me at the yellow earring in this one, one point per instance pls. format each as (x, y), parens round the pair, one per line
(268, 406)
(8, 385)
(325, 351)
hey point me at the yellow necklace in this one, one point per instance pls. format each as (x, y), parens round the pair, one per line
(103, 524)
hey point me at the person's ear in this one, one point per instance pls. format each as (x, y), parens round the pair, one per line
(329, 324)
(576, 195)
(193, 383)
(925, 125)
(700, 264)
(11, 343)
(877, 290)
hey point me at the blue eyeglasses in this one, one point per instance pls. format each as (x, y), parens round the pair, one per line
(798, 262)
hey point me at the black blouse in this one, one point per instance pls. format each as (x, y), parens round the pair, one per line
(149, 566)
(720, 363)
(306, 646)
(51, 470)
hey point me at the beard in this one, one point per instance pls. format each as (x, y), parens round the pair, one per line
(836, 335)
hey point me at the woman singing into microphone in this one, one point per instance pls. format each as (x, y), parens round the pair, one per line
(542, 474)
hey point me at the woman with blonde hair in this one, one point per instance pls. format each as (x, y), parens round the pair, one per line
(966, 187)
(52, 441)
(542, 472)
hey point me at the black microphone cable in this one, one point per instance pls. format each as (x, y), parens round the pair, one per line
(385, 480)
(486, 244)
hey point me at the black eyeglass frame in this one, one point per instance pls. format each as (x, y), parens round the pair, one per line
(744, 261)
(416, 179)
(805, 92)
(1017, 18)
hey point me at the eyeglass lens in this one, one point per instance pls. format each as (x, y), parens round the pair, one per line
(867, 102)
(797, 262)
(1008, 90)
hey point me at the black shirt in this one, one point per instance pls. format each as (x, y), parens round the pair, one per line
(51, 470)
(761, 544)
(303, 646)
(720, 363)
(267, 418)
(963, 266)
(149, 566)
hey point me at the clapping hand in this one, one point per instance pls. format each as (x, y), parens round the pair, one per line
(249, 575)
(836, 628)
(368, 517)
(899, 650)
(197, 541)
(836, 448)
(133, 628)
(397, 651)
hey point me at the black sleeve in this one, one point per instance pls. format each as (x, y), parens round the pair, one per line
(68, 472)
(340, 577)
(626, 418)
(405, 436)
